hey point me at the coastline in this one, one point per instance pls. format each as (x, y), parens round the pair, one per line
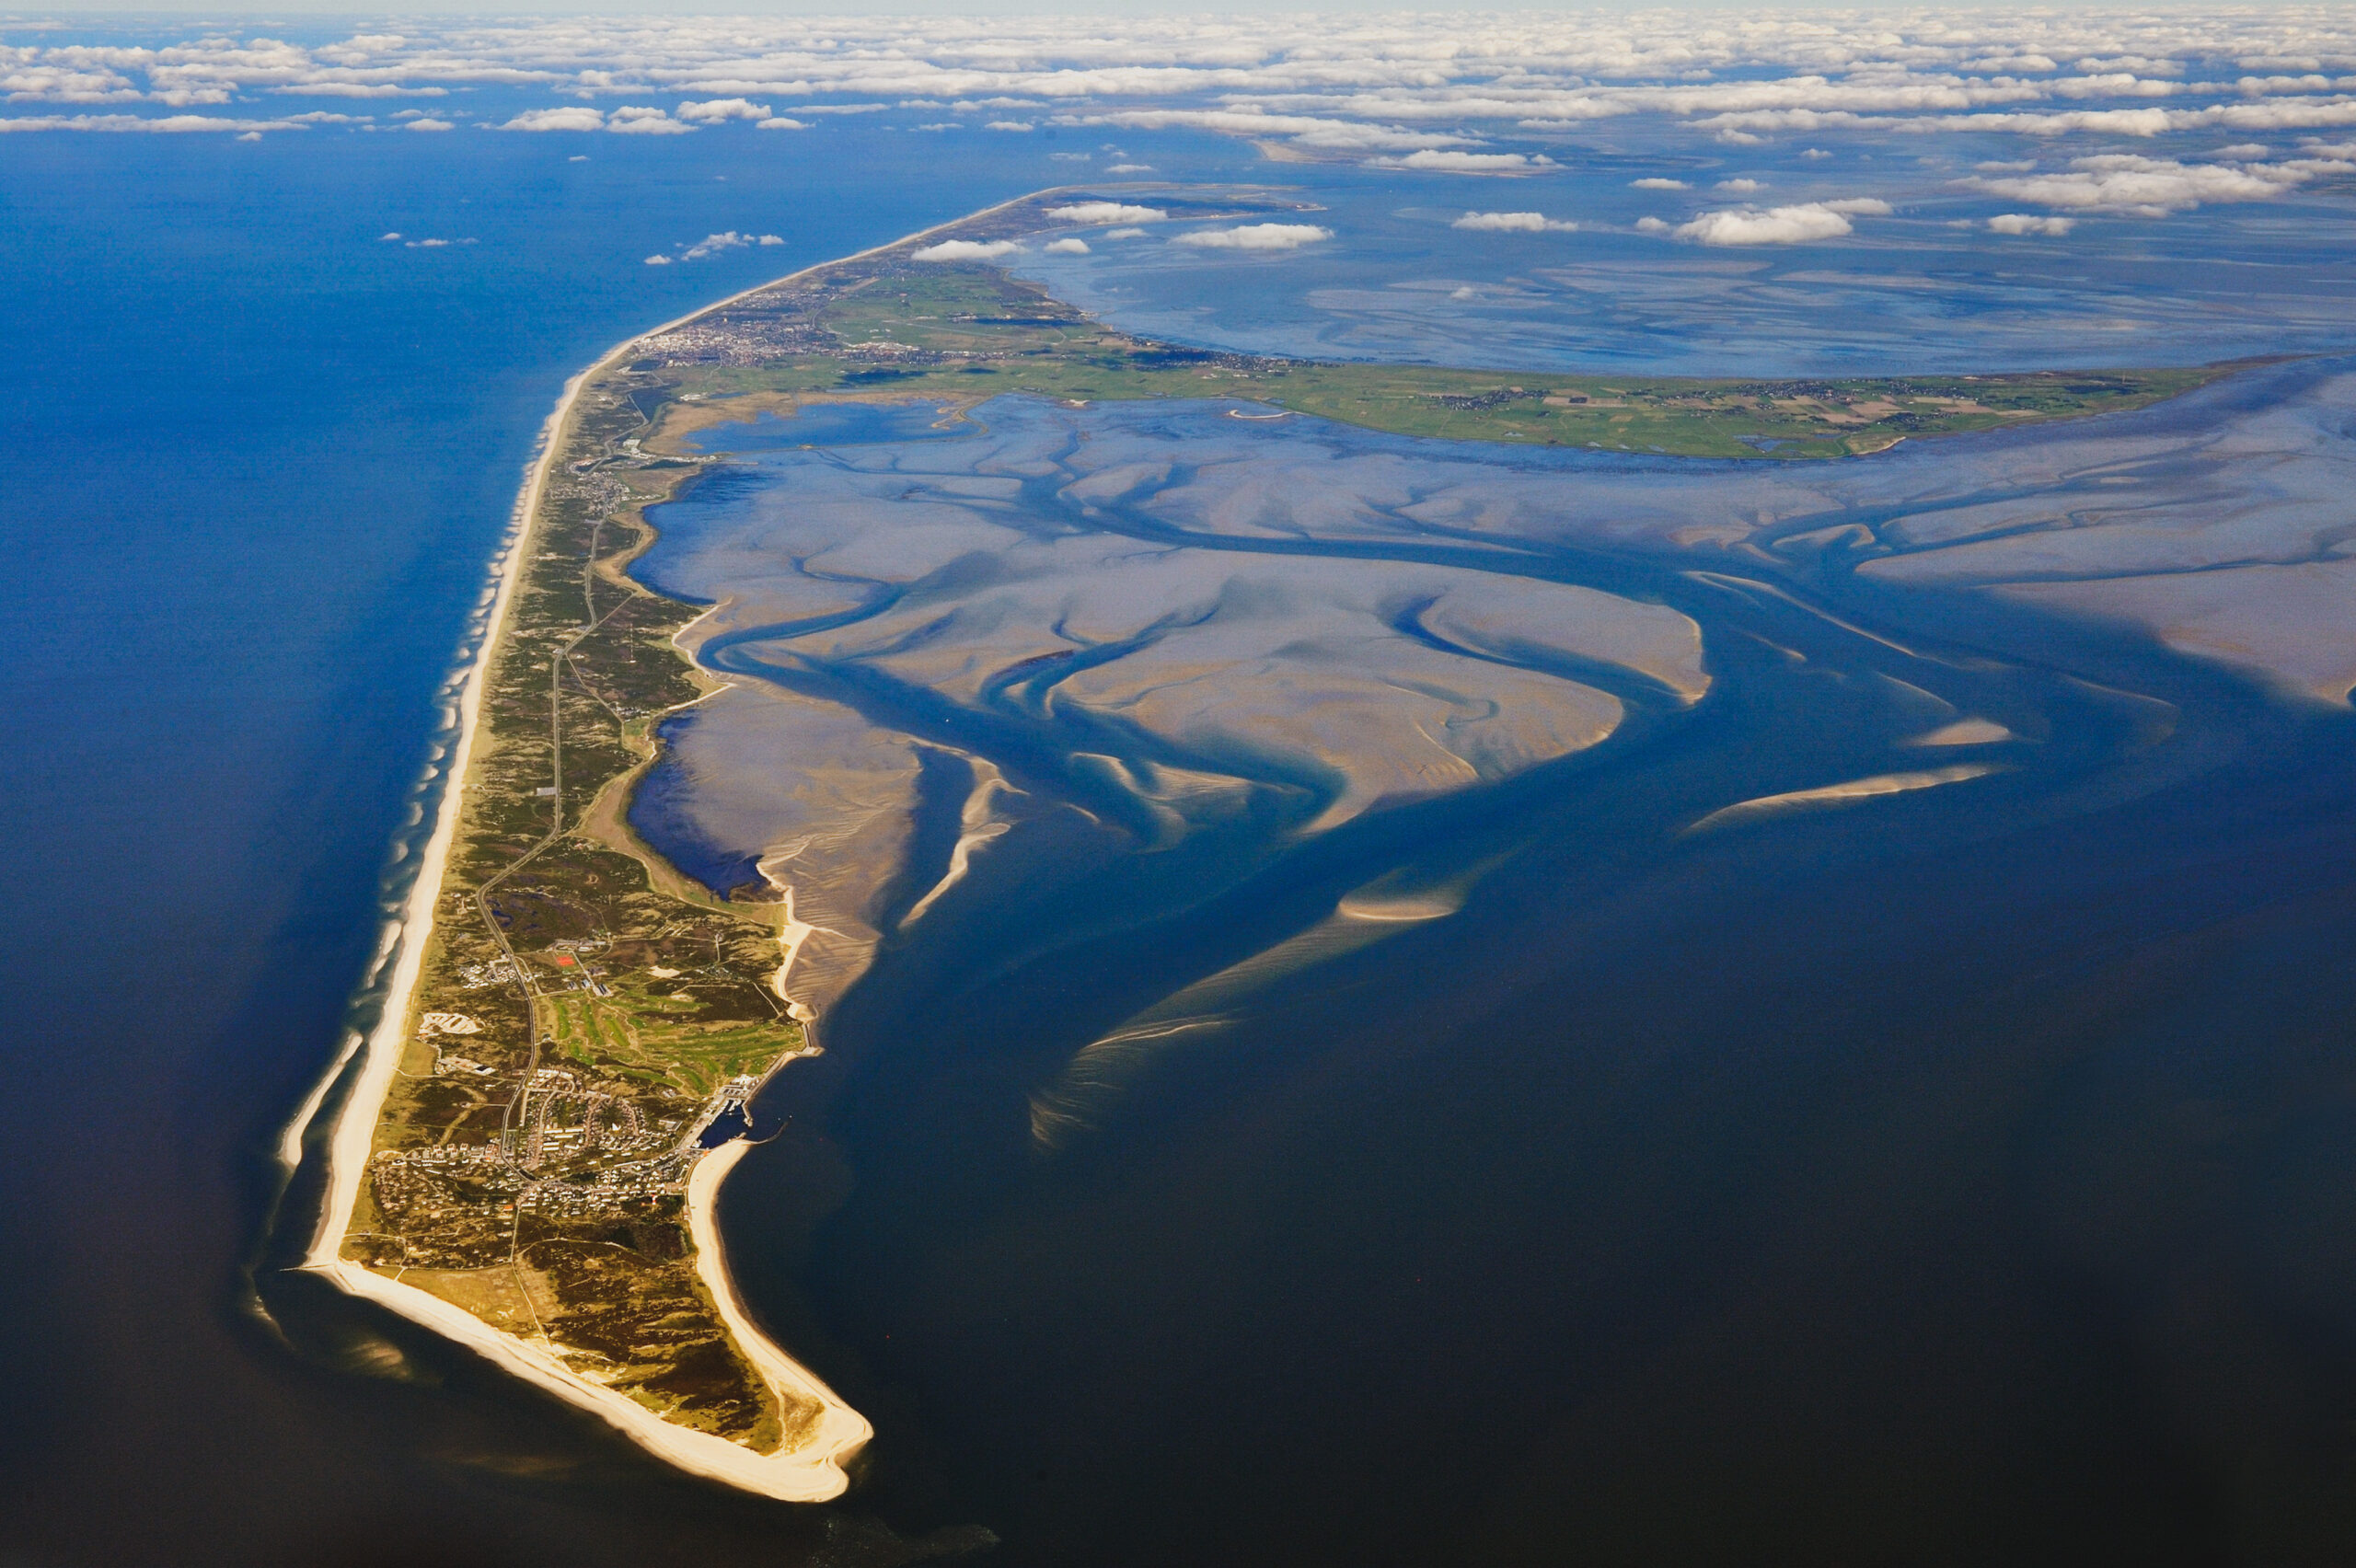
(814, 1473)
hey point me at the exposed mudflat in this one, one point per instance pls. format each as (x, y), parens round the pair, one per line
(1167, 616)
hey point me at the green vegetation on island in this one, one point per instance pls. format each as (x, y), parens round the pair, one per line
(584, 1013)
(966, 332)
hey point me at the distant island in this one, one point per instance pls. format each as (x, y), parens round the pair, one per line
(527, 1158)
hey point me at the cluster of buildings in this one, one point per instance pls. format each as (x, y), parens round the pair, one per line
(610, 1190)
(762, 327)
(498, 972)
(563, 1117)
(445, 1181)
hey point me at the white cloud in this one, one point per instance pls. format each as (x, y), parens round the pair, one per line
(713, 112)
(1307, 132)
(1255, 237)
(713, 244)
(395, 234)
(1737, 187)
(170, 124)
(1067, 248)
(1858, 206)
(1128, 168)
(1466, 162)
(1008, 125)
(658, 260)
(2149, 188)
(967, 251)
(1123, 234)
(429, 124)
(1657, 182)
(1799, 224)
(780, 122)
(1513, 223)
(1094, 212)
(644, 122)
(771, 239)
(1814, 155)
(2022, 222)
(355, 90)
(1652, 225)
(581, 118)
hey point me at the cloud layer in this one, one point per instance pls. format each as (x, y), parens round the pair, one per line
(2087, 93)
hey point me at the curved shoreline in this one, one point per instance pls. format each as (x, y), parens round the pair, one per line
(814, 1473)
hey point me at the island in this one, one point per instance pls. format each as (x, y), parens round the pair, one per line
(525, 1154)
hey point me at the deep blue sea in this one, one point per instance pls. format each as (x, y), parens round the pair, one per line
(2022, 1219)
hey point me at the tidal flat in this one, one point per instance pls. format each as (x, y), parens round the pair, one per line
(1179, 614)
(1780, 836)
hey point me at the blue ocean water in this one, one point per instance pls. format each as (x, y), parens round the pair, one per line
(258, 459)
